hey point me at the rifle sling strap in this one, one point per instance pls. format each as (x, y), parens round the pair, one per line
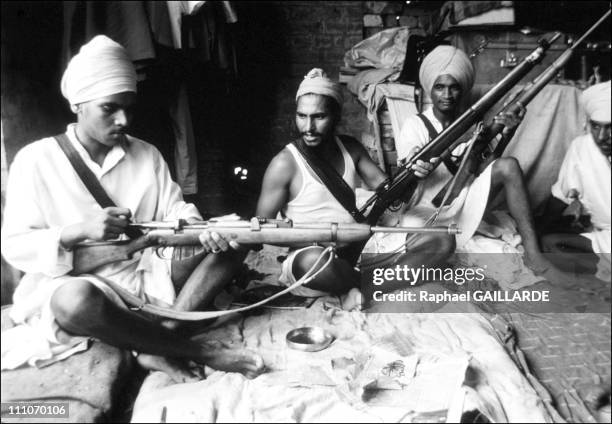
(137, 304)
(89, 179)
(332, 179)
(448, 162)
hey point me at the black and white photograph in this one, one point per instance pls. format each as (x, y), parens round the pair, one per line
(306, 211)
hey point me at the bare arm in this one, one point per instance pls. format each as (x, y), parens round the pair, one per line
(369, 172)
(275, 188)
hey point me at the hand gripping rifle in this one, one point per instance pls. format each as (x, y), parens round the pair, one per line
(403, 183)
(91, 255)
(480, 155)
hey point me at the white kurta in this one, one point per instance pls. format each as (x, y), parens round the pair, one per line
(586, 170)
(468, 207)
(44, 195)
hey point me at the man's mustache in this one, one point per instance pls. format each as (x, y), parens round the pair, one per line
(311, 134)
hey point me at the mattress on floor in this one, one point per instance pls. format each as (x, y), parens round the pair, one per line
(394, 367)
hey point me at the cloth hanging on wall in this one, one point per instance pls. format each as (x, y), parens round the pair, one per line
(126, 22)
(196, 29)
(184, 149)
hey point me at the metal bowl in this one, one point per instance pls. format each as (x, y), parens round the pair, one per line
(309, 339)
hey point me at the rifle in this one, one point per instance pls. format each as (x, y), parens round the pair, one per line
(480, 156)
(91, 255)
(403, 183)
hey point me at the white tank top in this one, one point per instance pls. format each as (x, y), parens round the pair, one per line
(314, 202)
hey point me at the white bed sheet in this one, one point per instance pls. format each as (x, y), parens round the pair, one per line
(306, 387)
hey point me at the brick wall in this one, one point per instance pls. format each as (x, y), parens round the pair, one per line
(280, 42)
(318, 33)
(379, 15)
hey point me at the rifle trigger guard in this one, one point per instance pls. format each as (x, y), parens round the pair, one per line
(159, 249)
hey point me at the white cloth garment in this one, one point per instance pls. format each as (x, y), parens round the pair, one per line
(468, 207)
(414, 135)
(317, 82)
(586, 170)
(446, 60)
(330, 385)
(596, 102)
(176, 10)
(287, 278)
(315, 203)
(45, 195)
(101, 68)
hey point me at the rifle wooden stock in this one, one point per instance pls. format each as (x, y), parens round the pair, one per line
(90, 256)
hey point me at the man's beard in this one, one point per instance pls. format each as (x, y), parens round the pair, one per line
(317, 136)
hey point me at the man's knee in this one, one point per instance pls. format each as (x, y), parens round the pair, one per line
(74, 301)
(507, 168)
(436, 244)
(305, 260)
(336, 278)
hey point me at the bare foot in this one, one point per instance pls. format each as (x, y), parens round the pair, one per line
(351, 301)
(178, 371)
(187, 328)
(244, 361)
(544, 268)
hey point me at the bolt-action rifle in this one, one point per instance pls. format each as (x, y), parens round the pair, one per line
(403, 184)
(482, 153)
(91, 255)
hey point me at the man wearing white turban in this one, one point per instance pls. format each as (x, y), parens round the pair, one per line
(447, 76)
(446, 60)
(583, 188)
(101, 68)
(292, 189)
(49, 210)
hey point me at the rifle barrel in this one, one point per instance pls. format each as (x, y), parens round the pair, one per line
(447, 139)
(438, 229)
(590, 30)
(554, 38)
(405, 176)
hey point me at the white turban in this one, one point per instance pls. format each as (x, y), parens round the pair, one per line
(596, 102)
(101, 68)
(316, 82)
(446, 60)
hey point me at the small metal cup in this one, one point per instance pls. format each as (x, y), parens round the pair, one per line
(309, 339)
